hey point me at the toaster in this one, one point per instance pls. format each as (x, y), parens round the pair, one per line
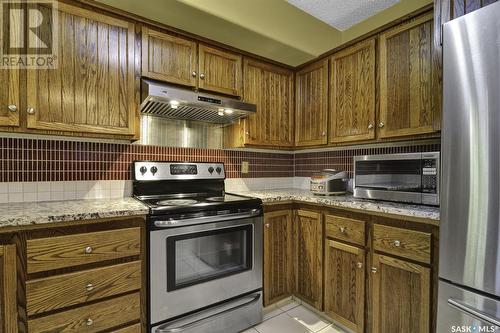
(329, 182)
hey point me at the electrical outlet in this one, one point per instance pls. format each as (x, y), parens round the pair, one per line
(244, 167)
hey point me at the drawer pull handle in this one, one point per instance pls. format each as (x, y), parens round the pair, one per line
(89, 322)
(374, 270)
(397, 243)
(89, 250)
(359, 264)
(89, 287)
(343, 230)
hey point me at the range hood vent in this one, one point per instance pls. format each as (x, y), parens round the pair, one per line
(164, 100)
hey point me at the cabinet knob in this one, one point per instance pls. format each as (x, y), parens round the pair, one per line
(323, 133)
(193, 74)
(89, 287)
(342, 230)
(30, 110)
(359, 265)
(267, 225)
(374, 270)
(89, 322)
(202, 76)
(12, 108)
(381, 125)
(247, 133)
(89, 249)
(370, 126)
(397, 243)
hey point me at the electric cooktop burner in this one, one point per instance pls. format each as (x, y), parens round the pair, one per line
(177, 202)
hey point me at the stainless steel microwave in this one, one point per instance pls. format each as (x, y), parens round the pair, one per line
(411, 178)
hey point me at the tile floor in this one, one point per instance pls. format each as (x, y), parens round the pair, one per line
(292, 317)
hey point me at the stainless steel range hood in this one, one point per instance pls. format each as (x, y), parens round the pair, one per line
(164, 100)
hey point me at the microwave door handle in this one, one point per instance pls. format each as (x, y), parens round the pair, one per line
(206, 219)
(481, 315)
(251, 299)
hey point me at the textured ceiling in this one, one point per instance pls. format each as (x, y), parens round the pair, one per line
(342, 14)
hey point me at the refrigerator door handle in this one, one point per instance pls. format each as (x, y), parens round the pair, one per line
(474, 312)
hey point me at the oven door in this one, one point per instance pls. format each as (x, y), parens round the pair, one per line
(196, 266)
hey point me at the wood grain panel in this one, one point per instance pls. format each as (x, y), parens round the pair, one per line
(346, 229)
(401, 292)
(91, 318)
(10, 78)
(311, 105)
(56, 292)
(309, 247)
(168, 58)
(271, 89)
(8, 289)
(352, 93)
(345, 284)
(405, 243)
(129, 329)
(44, 254)
(92, 88)
(278, 244)
(407, 94)
(219, 71)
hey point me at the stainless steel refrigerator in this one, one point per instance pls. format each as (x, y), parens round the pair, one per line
(469, 259)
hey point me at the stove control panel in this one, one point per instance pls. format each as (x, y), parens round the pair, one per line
(145, 170)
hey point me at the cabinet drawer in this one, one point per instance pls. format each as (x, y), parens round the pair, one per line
(60, 291)
(91, 318)
(405, 243)
(342, 228)
(46, 254)
(129, 329)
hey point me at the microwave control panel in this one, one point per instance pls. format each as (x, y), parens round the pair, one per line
(429, 175)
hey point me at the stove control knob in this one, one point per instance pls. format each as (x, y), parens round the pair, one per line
(218, 169)
(143, 169)
(153, 170)
(211, 170)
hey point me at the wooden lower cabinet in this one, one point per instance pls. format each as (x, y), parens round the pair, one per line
(345, 284)
(309, 244)
(8, 289)
(278, 243)
(400, 296)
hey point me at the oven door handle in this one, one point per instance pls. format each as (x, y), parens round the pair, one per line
(251, 299)
(206, 219)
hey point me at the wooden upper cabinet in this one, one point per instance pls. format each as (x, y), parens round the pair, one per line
(407, 79)
(311, 105)
(219, 71)
(352, 93)
(278, 257)
(92, 90)
(309, 276)
(9, 97)
(8, 289)
(401, 292)
(271, 89)
(345, 284)
(168, 58)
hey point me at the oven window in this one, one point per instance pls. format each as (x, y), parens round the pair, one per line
(203, 256)
(390, 175)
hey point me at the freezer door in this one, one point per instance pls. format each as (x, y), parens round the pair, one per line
(460, 310)
(470, 195)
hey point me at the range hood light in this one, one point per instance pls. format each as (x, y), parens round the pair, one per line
(228, 111)
(220, 113)
(174, 104)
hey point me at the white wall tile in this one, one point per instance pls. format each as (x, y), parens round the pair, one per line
(15, 188)
(15, 197)
(30, 196)
(4, 198)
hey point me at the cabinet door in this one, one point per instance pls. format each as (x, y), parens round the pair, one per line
(9, 77)
(8, 289)
(220, 71)
(311, 105)
(309, 277)
(168, 58)
(92, 88)
(277, 256)
(352, 93)
(345, 284)
(271, 89)
(400, 296)
(407, 94)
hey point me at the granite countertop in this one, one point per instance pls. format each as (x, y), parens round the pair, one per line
(30, 213)
(349, 202)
